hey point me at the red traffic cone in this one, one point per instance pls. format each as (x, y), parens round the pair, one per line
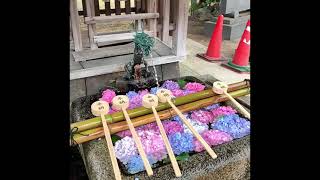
(240, 61)
(213, 53)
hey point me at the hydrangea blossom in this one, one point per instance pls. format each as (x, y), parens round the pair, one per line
(202, 116)
(198, 126)
(124, 149)
(234, 125)
(177, 92)
(212, 107)
(194, 86)
(212, 137)
(181, 142)
(221, 111)
(154, 90)
(172, 127)
(153, 144)
(108, 95)
(171, 85)
(135, 164)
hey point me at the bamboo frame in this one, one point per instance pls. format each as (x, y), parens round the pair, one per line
(95, 133)
(140, 111)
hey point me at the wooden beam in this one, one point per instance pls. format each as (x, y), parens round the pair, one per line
(103, 40)
(103, 52)
(127, 17)
(112, 68)
(75, 26)
(112, 11)
(91, 27)
(152, 8)
(165, 20)
(179, 39)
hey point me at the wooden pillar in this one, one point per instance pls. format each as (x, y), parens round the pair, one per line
(152, 8)
(96, 8)
(75, 25)
(91, 27)
(127, 6)
(143, 6)
(117, 7)
(138, 6)
(179, 38)
(107, 7)
(165, 20)
(84, 8)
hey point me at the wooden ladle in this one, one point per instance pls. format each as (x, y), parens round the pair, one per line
(165, 95)
(100, 108)
(222, 88)
(121, 102)
(151, 101)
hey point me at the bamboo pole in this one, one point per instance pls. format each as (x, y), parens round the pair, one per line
(151, 101)
(99, 108)
(121, 102)
(140, 111)
(165, 95)
(95, 133)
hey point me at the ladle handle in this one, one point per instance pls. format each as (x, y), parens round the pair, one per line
(138, 143)
(114, 161)
(167, 143)
(195, 133)
(241, 108)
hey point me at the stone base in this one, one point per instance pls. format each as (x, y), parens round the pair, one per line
(92, 85)
(233, 161)
(232, 27)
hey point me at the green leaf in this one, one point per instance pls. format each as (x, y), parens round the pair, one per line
(166, 160)
(183, 157)
(115, 138)
(182, 83)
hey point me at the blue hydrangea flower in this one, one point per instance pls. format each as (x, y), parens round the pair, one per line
(131, 94)
(154, 90)
(181, 142)
(135, 164)
(211, 107)
(234, 125)
(177, 118)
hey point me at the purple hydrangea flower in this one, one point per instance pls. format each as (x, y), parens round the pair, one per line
(171, 85)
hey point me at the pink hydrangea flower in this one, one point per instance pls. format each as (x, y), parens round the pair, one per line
(108, 95)
(202, 116)
(172, 127)
(152, 144)
(221, 111)
(177, 92)
(147, 127)
(213, 138)
(143, 92)
(194, 86)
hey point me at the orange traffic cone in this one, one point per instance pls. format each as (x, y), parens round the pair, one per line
(240, 61)
(213, 53)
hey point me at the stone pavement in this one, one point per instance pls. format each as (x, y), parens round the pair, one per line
(195, 66)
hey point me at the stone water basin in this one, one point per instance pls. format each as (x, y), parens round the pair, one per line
(233, 160)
